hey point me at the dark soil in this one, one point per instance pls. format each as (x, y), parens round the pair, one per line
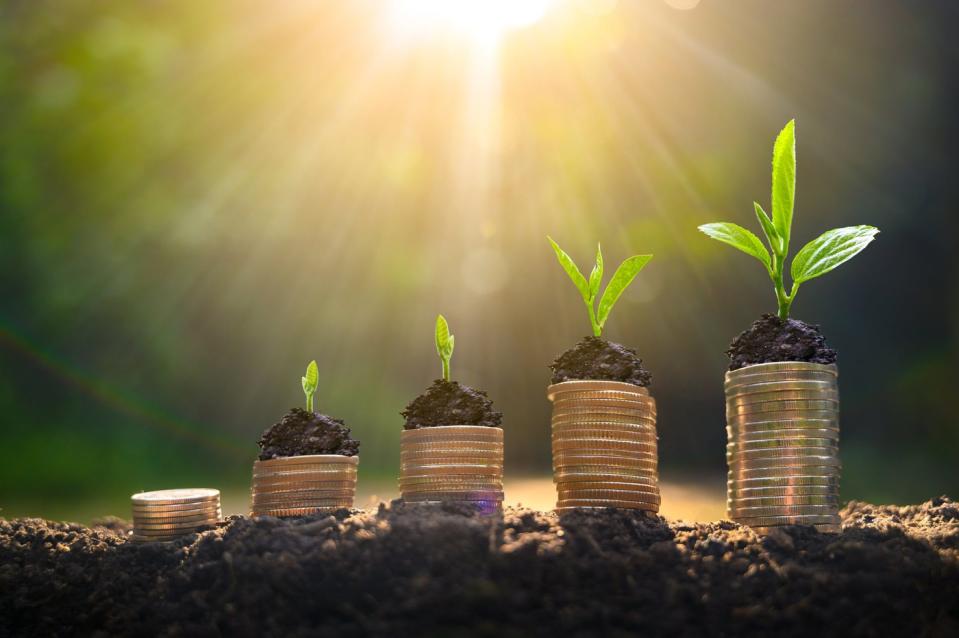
(412, 571)
(300, 432)
(598, 359)
(772, 339)
(449, 403)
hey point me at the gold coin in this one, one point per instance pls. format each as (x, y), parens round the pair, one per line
(608, 423)
(565, 477)
(776, 384)
(306, 459)
(455, 432)
(782, 435)
(795, 407)
(451, 459)
(433, 470)
(776, 502)
(474, 449)
(264, 485)
(606, 494)
(782, 444)
(484, 479)
(807, 379)
(634, 431)
(744, 400)
(298, 511)
(736, 492)
(594, 384)
(176, 497)
(784, 366)
(213, 506)
(745, 388)
(440, 495)
(603, 395)
(789, 420)
(163, 518)
(306, 492)
(567, 504)
(751, 456)
(625, 442)
(311, 504)
(748, 511)
(602, 457)
(800, 480)
(646, 405)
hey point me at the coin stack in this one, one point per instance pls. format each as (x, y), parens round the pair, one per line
(782, 420)
(604, 445)
(169, 514)
(303, 485)
(462, 463)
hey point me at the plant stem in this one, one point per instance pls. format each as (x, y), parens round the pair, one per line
(446, 370)
(784, 300)
(597, 329)
(309, 403)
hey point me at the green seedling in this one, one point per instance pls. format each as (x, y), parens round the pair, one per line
(444, 344)
(821, 255)
(310, 381)
(589, 289)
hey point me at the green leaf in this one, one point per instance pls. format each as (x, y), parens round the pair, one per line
(623, 276)
(784, 181)
(312, 378)
(444, 339)
(738, 237)
(829, 250)
(775, 241)
(570, 267)
(596, 276)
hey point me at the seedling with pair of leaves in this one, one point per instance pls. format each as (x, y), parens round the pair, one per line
(821, 255)
(444, 344)
(589, 289)
(310, 382)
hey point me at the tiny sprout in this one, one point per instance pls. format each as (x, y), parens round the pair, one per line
(589, 289)
(444, 344)
(310, 381)
(826, 252)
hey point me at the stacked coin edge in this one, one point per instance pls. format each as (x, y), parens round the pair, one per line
(167, 515)
(303, 485)
(605, 445)
(452, 463)
(782, 423)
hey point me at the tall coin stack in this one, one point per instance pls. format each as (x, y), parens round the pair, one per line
(604, 445)
(303, 485)
(462, 463)
(166, 515)
(782, 420)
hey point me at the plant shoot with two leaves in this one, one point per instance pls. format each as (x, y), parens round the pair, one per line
(589, 288)
(444, 344)
(821, 255)
(310, 382)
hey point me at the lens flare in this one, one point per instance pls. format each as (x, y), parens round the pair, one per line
(482, 20)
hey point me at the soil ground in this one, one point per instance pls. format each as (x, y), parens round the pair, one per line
(300, 432)
(440, 571)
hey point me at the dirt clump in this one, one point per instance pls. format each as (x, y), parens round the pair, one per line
(450, 403)
(772, 339)
(597, 359)
(300, 432)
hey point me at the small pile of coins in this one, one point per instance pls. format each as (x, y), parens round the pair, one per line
(604, 445)
(782, 420)
(303, 485)
(166, 515)
(462, 463)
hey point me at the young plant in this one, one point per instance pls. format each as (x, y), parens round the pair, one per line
(444, 344)
(589, 289)
(826, 252)
(310, 381)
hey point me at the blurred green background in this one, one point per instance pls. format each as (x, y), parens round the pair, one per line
(197, 198)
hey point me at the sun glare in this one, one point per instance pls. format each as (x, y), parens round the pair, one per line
(480, 19)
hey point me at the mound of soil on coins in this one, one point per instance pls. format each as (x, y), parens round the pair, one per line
(410, 570)
(597, 359)
(449, 403)
(300, 432)
(772, 339)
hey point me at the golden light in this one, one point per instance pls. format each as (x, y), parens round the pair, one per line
(482, 20)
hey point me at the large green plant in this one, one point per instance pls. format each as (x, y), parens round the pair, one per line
(826, 252)
(589, 289)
